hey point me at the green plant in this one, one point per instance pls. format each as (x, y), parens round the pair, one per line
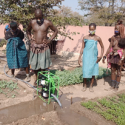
(112, 108)
(22, 11)
(3, 42)
(75, 76)
(89, 104)
(7, 88)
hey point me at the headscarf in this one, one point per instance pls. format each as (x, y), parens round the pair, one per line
(13, 25)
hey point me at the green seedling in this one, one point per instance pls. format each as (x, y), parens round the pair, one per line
(6, 87)
(75, 76)
(112, 109)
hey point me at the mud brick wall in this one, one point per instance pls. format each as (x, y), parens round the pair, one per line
(66, 45)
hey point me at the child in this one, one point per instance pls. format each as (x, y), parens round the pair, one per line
(90, 59)
(115, 58)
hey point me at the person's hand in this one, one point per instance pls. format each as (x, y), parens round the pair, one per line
(104, 59)
(46, 41)
(98, 59)
(79, 62)
(30, 38)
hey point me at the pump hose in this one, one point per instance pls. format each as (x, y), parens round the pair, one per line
(18, 78)
(56, 99)
(32, 86)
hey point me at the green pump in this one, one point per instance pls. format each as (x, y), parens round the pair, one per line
(48, 84)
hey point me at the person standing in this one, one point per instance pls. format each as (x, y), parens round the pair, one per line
(116, 54)
(16, 51)
(90, 56)
(39, 49)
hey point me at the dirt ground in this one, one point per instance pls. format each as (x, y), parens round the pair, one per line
(96, 118)
(50, 118)
(24, 92)
(70, 96)
(19, 92)
(60, 62)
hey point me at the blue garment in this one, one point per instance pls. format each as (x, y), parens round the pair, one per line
(16, 53)
(90, 53)
(7, 27)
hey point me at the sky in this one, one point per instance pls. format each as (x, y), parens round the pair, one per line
(73, 4)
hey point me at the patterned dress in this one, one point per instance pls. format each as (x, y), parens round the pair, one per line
(16, 53)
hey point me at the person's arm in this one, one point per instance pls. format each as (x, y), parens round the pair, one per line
(19, 28)
(110, 46)
(29, 30)
(121, 29)
(108, 50)
(21, 34)
(123, 57)
(4, 32)
(53, 28)
(81, 51)
(8, 35)
(102, 49)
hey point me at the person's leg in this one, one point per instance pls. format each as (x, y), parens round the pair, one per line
(113, 75)
(43, 69)
(12, 72)
(27, 74)
(35, 80)
(84, 84)
(118, 77)
(91, 85)
(36, 76)
(27, 70)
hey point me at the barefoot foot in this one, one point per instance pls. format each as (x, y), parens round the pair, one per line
(91, 89)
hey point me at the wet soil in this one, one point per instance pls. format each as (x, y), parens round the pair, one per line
(33, 113)
(49, 118)
(23, 110)
(70, 117)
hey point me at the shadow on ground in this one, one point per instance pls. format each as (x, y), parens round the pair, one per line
(64, 61)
